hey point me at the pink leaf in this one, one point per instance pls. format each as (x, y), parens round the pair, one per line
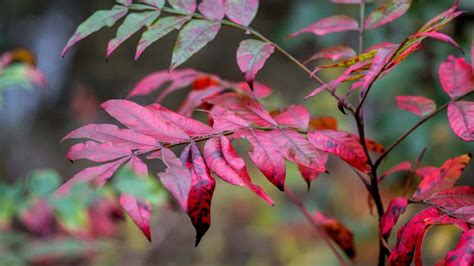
(260, 90)
(440, 36)
(202, 189)
(110, 133)
(97, 152)
(38, 218)
(443, 178)
(244, 107)
(329, 25)
(334, 53)
(241, 12)
(176, 178)
(139, 212)
(223, 119)
(403, 166)
(461, 119)
(212, 9)
(223, 160)
(387, 13)
(251, 57)
(266, 155)
(379, 62)
(418, 105)
(100, 174)
(138, 166)
(396, 208)
(453, 198)
(463, 254)
(296, 116)
(455, 75)
(144, 121)
(188, 6)
(196, 98)
(342, 144)
(425, 171)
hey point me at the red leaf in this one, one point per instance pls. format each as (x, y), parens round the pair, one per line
(308, 174)
(443, 178)
(266, 155)
(139, 212)
(212, 9)
(223, 160)
(241, 12)
(296, 116)
(453, 198)
(374, 146)
(176, 178)
(202, 188)
(100, 174)
(244, 107)
(223, 119)
(455, 75)
(110, 133)
(403, 166)
(251, 57)
(418, 105)
(387, 13)
(329, 25)
(396, 208)
(463, 254)
(461, 119)
(324, 122)
(38, 218)
(190, 126)
(188, 6)
(425, 171)
(440, 36)
(342, 144)
(97, 152)
(381, 59)
(144, 121)
(338, 232)
(334, 53)
(196, 98)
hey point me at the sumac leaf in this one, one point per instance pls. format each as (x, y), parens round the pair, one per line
(330, 25)
(463, 254)
(379, 62)
(338, 232)
(99, 20)
(212, 9)
(443, 178)
(97, 152)
(192, 38)
(296, 116)
(403, 166)
(455, 75)
(334, 53)
(452, 199)
(241, 12)
(387, 13)
(139, 212)
(187, 6)
(396, 208)
(442, 37)
(251, 57)
(418, 105)
(461, 119)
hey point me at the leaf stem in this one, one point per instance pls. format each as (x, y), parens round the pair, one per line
(361, 25)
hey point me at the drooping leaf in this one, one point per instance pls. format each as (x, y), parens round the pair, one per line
(339, 233)
(97, 152)
(296, 116)
(455, 75)
(374, 146)
(440, 36)
(176, 178)
(442, 19)
(158, 30)
(342, 144)
(139, 212)
(192, 38)
(212, 9)
(266, 155)
(251, 56)
(187, 6)
(381, 59)
(461, 119)
(330, 25)
(323, 122)
(452, 199)
(202, 188)
(99, 20)
(403, 166)
(463, 254)
(241, 12)
(334, 53)
(443, 178)
(99, 174)
(418, 105)
(144, 121)
(396, 208)
(104, 133)
(244, 107)
(132, 24)
(223, 160)
(387, 13)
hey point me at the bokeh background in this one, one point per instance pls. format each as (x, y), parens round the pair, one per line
(245, 231)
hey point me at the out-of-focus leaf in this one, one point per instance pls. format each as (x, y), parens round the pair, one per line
(241, 12)
(139, 212)
(387, 13)
(463, 254)
(251, 57)
(403, 166)
(418, 105)
(323, 122)
(461, 119)
(330, 25)
(188, 6)
(339, 233)
(396, 208)
(334, 53)
(43, 182)
(192, 38)
(455, 75)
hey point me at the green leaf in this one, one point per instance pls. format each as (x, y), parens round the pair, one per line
(192, 38)
(155, 3)
(132, 23)
(99, 20)
(158, 30)
(147, 188)
(43, 182)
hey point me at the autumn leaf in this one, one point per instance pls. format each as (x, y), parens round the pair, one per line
(339, 233)
(212, 9)
(455, 75)
(139, 212)
(463, 254)
(251, 57)
(296, 116)
(334, 53)
(387, 13)
(187, 6)
(330, 25)
(396, 208)
(461, 119)
(418, 105)
(453, 198)
(97, 152)
(323, 122)
(241, 12)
